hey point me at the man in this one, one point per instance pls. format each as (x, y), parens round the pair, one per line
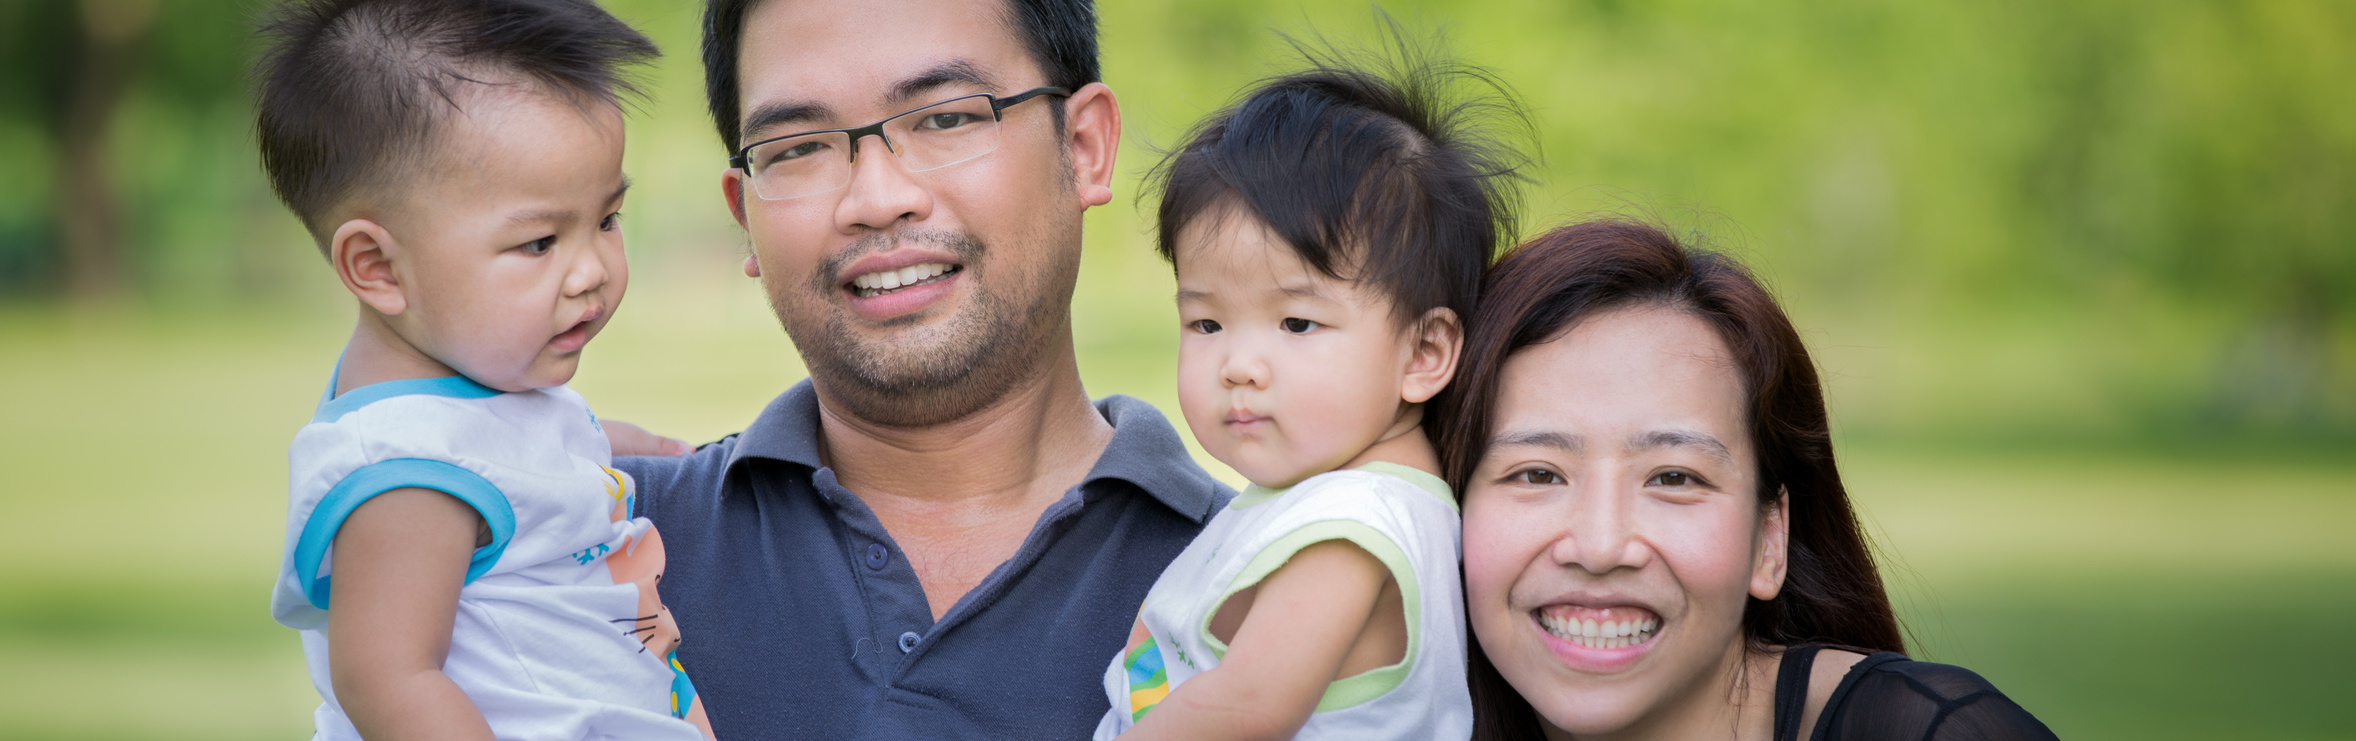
(937, 535)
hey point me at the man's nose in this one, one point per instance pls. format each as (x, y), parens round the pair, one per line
(882, 192)
(1600, 535)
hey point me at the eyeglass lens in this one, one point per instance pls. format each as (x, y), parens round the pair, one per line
(927, 138)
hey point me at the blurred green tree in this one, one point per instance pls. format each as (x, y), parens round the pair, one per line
(92, 96)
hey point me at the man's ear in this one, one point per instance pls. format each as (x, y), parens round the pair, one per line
(363, 253)
(1767, 570)
(732, 189)
(1439, 337)
(1092, 134)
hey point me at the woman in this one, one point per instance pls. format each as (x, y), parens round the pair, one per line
(1657, 543)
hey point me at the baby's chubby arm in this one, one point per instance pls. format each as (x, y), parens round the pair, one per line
(1293, 642)
(399, 562)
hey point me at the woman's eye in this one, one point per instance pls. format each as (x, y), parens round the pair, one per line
(1205, 326)
(611, 221)
(1297, 325)
(539, 246)
(1538, 476)
(944, 121)
(1671, 478)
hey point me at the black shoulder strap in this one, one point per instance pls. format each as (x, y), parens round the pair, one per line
(1791, 690)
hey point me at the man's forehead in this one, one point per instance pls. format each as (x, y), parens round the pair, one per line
(850, 57)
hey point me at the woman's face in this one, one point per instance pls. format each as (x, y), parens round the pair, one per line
(1613, 529)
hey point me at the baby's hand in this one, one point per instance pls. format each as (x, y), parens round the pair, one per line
(630, 439)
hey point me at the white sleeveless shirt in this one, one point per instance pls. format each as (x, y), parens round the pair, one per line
(1404, 517)
(545, 642)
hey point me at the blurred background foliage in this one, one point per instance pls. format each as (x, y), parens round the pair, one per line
(2082, 275)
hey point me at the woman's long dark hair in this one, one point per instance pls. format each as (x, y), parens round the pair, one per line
(1831, 591)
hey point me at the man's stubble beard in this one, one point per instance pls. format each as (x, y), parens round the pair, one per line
(951, 369)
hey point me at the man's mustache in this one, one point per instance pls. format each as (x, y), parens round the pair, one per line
(963, 247)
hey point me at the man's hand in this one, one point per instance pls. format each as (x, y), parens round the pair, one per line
(630, 439)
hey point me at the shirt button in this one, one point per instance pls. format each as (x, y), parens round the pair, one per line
(908, 642)
(877, 556)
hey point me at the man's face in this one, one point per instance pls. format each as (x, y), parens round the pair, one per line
(992, 245)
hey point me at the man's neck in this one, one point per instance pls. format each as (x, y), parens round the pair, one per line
(1040, 438)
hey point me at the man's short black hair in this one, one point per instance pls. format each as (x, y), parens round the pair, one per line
(352, 91)
(1059, 34)
(1387, 172)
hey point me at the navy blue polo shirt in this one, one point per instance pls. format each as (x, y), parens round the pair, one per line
(803, 620)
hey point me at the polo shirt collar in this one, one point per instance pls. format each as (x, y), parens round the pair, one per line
(1145, 450)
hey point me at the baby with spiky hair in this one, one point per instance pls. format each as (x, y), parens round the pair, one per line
(1328, 233)
(460, 556)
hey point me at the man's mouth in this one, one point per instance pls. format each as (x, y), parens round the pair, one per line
(1611, 627)
(886, 282)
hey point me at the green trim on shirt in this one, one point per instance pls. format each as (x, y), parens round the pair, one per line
(1358, 688)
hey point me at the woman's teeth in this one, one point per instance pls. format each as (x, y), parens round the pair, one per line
(880, 283)
(1610, 632)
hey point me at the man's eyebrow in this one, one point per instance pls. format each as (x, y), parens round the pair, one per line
(773, 115)
(1538, 438)
(1681, 439)
(952, 72)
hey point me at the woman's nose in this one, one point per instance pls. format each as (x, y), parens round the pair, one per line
(1600, 536)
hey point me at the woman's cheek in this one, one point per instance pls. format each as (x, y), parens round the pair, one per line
(1708, 547)
(1493, 560)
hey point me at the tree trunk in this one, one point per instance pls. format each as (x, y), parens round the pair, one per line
(90, 214)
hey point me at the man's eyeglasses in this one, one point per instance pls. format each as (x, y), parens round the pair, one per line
(928, 138)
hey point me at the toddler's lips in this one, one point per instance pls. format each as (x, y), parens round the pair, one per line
(577, 337)
(571, 339)
(1241, 418)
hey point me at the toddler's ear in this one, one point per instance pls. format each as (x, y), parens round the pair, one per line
(362, 252)
(1439, 337)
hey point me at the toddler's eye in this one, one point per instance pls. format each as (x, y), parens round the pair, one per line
(1205, 326)
(539, 246)
(1297, 325)
(611, 221)
(1538, 476)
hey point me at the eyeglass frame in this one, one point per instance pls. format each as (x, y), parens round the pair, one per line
(998, 107)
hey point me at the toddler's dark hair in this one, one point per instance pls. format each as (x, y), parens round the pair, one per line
(352, 90)
(1386, 169)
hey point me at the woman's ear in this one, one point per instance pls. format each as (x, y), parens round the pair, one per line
(1092, 131)
(1767, 569)
(363, 253)
(1439, 337)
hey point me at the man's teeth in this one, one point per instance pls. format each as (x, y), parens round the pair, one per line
(876, 283)
(1604, 634)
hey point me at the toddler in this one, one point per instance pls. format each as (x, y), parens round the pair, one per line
(459, 557)
(1328, 233)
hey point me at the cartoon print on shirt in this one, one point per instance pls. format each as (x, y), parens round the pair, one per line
(640, 562)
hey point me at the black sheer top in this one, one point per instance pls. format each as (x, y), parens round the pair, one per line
(1888, 696)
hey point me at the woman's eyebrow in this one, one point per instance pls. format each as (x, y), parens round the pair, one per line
(1681, 439)
(1537, 438)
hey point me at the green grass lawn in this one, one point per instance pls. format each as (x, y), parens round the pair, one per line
(2118, 596)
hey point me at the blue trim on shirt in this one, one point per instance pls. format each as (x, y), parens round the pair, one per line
(334, 407)
(399, 473)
